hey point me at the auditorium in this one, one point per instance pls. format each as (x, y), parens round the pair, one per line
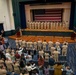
(37, 37)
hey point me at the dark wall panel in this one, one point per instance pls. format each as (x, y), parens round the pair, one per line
(22, 16)
(72, 16)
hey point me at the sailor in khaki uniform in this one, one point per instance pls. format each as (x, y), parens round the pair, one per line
(56, 53)
(50, 44)
(17, 43)
(9, 65)
(38, 25)
(65, 42)
(28, 45)
(1, 61)
(44, 45)
(30, 25)
(57, 43)
(64, 49)
(20, 42)
(52, 50)
(35, 45)
(39, 44)
(42, 25)
(2, 71)
(47, 57)
(64, 26)
(16, 67)
(67, 25)
(60, 25)
(35, 25)
(48, 25)
(57, 23)
(31, 45)
(23, 43)
(54, 25)
(41, 53)
(13, 51)
(51, 25)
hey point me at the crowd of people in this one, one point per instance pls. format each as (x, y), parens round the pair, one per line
(32, 58)
(44, 47)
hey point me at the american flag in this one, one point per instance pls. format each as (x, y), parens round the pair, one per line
(49, 15)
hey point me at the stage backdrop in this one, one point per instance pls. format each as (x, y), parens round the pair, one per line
(48, 12)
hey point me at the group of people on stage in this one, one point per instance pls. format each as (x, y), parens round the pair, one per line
(47, 25)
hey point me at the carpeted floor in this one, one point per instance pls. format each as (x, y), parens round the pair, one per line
(70, 58)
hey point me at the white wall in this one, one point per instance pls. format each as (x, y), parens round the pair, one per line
(6, 16)
(27, 13)
(65, 6)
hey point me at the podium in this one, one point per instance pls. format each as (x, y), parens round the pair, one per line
(18, 34)
(73, 35)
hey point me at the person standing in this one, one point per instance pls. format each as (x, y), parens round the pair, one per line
(56, 53)
(41, 64)
(16, 67)
(39, 44)
(57, 69)
(50, 44)
(35, 45)
(64, 49)
(2, 70)
(44, 45)
(57, 43)
(29, 68)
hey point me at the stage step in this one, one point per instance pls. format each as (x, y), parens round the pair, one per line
(66, 33)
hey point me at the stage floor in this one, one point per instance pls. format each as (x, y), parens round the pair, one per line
(47, 38)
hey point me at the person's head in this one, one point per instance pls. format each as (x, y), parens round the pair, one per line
(3, 59)
(68, 67)
(58, 63)
(13, 50)
(44, 40)
(34, 52)
(57, 40)
(22, 55)
(32, 62)
(46, 66)
(16, 38)
(65, 44)
(51, 56)
(28, 64)
(34, 40)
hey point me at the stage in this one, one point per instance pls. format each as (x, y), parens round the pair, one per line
(47, 38)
